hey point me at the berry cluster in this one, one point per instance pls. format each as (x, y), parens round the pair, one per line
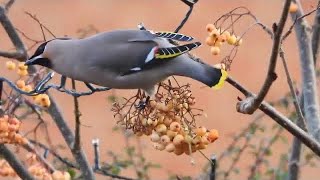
(35, 168)
(218, 36)
(22, 69)
(41, 99)
(9, 128)
(41, 173)
(169, 120)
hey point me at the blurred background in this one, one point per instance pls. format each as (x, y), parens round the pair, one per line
(72, 18)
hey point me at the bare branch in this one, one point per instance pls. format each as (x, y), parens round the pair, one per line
(281, 119)
(316, 35)
(310, 95)
(8, 5)
(79, 156)
(249, 105)
(12, 33)
(15, 163)
(293, 92)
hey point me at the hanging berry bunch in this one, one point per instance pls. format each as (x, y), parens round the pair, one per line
(169, 119)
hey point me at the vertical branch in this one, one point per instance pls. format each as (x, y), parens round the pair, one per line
(249, 105)
(77, 115)
(68, 136)
(15, 163)
(316, 35)
(310, 95)
(213, 167)
(95, 143)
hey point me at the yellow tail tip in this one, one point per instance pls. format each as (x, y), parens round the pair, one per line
(224, 76)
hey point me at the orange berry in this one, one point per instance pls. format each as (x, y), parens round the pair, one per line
(293, 7)
(200, 131)
(3, 126)
(178, 139)
(10, 65)
(14, 121)
(210, 41)
(213, 135)
(204, 140)
(175, 126)
(201, 146)
(215, 50)
(210, 27)
(170, 147)
(178, 150)
(165, 139)
(167, 121)
(215, 33)
(66, 176)
(21, 84)
(27, 88)
(232, 39)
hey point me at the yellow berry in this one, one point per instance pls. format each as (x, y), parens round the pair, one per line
(226, 34)
(293, 7)
(161, 128)
(215, 33)
(21, 84)
(210, 27)
(57, 175)
(22, 73)
(232, 39)
(200, 131)
(215, 50)
(171, 134)
(153, 103)
(217, 44)
(10, 65)
(22, 67)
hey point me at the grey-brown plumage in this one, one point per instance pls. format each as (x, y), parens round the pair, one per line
(125, 59)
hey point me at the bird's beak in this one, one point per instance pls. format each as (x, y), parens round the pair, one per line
(32, 60)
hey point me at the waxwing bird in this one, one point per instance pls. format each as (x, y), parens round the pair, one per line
(126, 59)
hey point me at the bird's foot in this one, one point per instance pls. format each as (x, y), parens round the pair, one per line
(143, 103)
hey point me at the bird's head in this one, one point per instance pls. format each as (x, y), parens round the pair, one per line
(43, 53)
(40, 57)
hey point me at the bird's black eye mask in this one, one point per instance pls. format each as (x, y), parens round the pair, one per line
(43, 61)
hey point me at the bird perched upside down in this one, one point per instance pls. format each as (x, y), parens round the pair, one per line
(126, 59)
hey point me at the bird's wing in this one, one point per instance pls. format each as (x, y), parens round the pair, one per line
(129, 51)
(150, 35)
(158, 55)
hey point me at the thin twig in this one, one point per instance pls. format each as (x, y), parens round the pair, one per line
(249, 105)
(77, 114)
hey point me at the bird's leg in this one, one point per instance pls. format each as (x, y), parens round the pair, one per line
(63, 82)
(96, 89)
(142, 104)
